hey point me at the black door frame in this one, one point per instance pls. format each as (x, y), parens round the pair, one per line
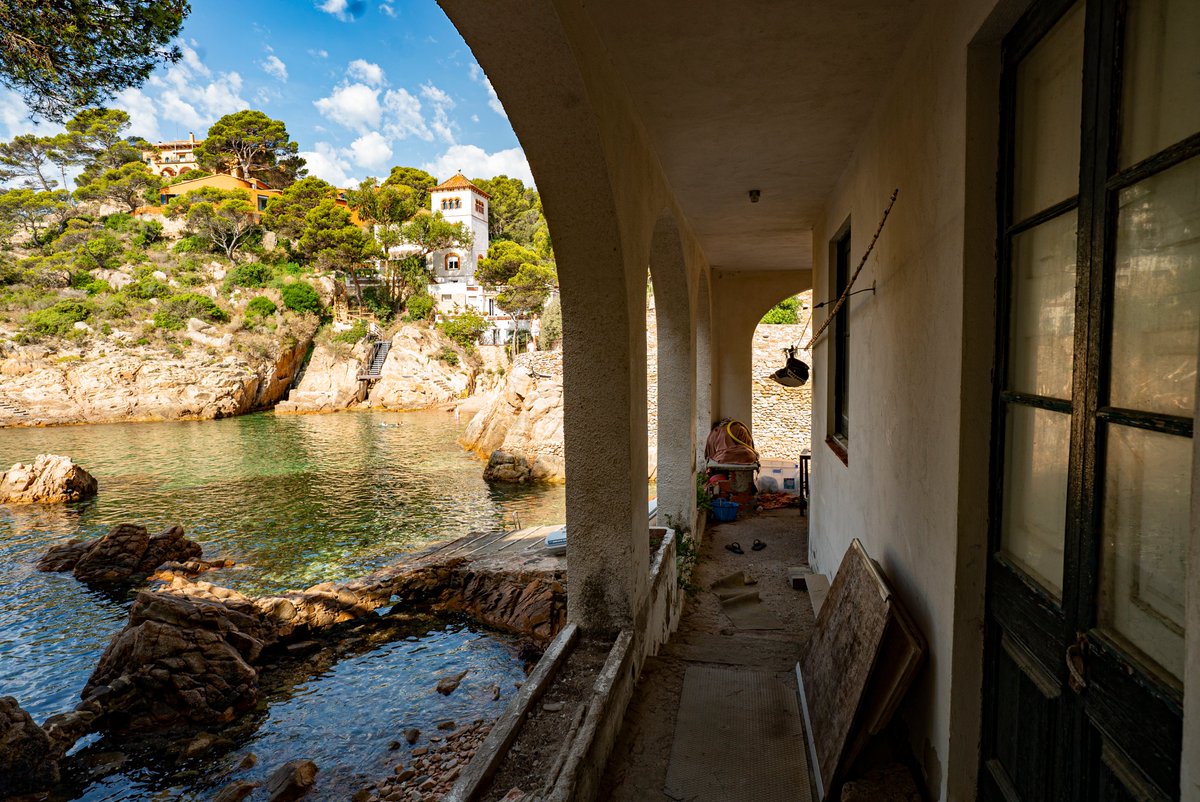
(1015, 602)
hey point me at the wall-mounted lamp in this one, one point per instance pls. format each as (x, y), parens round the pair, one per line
(755, 195)
(794, 372)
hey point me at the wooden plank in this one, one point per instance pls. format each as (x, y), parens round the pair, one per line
(835, 673)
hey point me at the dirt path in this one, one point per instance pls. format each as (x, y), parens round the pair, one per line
(637, 769)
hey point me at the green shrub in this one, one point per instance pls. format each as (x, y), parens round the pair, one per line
(148, 287)
(58, 320)
(121, 221)
(448, 355)
(261, 306)
(192, 245)
(784, 312)
(419, 307)
(289, 269)
(149, 232)
(352, 334)
(301, 297)
(254, 275)
(174, 311)
(164, 319)
(551, 326)
(81, 279)
(98, 286)
(464, 329)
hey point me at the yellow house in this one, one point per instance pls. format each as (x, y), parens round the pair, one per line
(260, 194)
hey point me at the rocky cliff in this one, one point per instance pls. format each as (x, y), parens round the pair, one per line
(520, 431)
(100, 382)
(423, 369)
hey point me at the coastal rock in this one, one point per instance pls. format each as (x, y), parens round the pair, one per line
(236, 791)
(107, 381)
(291, 781)
(126, 552)
(520, 431)
(329, 382)
(423, 369)
(448, 685)
(51, 478)
(28, 759)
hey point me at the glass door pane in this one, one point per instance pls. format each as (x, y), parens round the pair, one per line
(1156, 295)
(1161, 77)
(1143, 560)
(1049, 101)
(1035, 493)
(1043, 308)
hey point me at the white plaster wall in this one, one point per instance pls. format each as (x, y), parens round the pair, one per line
(914, 488)
(475, 222)
(740, 299)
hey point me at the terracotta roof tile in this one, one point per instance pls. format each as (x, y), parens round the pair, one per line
(459, 181)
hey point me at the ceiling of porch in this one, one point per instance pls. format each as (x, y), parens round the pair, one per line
(757, 94)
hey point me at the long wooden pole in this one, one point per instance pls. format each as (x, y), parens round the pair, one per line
(846, 292)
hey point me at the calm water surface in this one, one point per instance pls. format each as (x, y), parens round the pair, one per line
(294, 500)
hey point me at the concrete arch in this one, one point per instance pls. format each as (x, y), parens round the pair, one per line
(602, 279)
(676, 373)
(740, 299)
(706, 384)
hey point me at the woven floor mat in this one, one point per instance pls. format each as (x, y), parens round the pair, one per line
(738, 738)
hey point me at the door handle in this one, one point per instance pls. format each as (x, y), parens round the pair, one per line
(1075, 665)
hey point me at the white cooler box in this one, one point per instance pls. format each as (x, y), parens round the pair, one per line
(779, 476)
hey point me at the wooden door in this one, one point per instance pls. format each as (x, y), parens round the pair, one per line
(1099, 325)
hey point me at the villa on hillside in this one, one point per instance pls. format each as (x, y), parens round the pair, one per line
(169, 159)
(453, 285)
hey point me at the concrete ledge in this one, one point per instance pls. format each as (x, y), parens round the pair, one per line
(478, 773)
(578, 779)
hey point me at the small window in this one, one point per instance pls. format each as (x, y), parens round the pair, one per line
(452, 262)
(478, 206)
(262, 203)
(839, 345)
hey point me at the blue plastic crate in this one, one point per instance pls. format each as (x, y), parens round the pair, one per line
(724, 511)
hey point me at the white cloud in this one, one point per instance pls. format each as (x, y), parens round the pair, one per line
(344, 10)
(442, 103)
(190, 95)
(274, 66)
(325, 162)
(14, 116)
(355, 106)
(478, 76)
(319, 53)
(365, 71)
(404, 118)
(372, 151)
(475, 161)
(386, 8)
(143, 113)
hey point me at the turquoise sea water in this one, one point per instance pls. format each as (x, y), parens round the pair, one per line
(294, 500)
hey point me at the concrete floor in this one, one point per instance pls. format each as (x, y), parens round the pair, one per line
(637, 769)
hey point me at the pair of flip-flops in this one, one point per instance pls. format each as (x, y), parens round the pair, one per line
(736, 547)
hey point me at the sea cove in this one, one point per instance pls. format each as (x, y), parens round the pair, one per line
(293, 500)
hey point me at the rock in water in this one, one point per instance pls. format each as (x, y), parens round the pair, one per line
(125, 553)
(51, 478)
(236, 791)
(292, 781)
(448, 685)
(28, 759)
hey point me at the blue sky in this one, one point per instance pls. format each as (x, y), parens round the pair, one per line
(361, 84)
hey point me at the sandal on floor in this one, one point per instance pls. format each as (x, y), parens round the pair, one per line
(758, 545)
(735, 547)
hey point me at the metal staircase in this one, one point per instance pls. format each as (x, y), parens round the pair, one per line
(379, 352)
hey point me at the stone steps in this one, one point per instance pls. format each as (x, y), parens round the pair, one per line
(10, 407)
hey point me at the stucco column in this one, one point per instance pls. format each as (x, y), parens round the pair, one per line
(604, 432)
(676, 378)
(705, 382)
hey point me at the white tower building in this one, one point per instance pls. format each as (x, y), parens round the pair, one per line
(460, 201)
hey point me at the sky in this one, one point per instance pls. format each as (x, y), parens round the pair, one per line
(362, 85)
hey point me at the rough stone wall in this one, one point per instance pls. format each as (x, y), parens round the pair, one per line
(782, 415)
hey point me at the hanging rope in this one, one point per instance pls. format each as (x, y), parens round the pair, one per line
(846, 292)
